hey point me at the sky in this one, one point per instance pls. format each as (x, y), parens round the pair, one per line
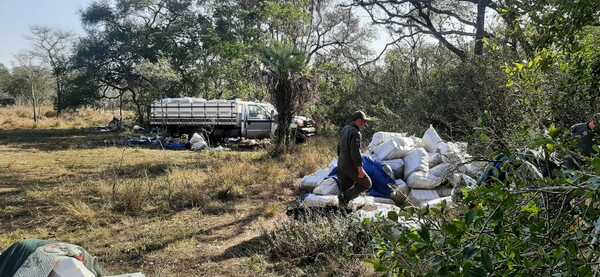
(17, 16)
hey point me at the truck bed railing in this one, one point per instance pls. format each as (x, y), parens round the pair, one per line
(206, 113)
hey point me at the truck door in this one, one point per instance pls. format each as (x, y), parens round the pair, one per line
(258, 122)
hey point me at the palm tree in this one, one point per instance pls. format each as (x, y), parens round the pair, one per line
(289, 86)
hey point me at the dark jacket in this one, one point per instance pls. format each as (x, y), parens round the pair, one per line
(349, 158)
(585, 135)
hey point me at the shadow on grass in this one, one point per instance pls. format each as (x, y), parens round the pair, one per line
(60, 139)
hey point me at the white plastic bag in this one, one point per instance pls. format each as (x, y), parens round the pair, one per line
(313, 200)
(416, 160)
(327, 187)
(431, 139)
(423, 180)
(397, 167)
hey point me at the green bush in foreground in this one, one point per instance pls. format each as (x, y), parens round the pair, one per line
(514, 225)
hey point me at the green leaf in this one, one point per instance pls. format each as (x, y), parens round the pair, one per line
(551, 147)
(393, 216)
(553, 131)
(531, 208)
(596, 165)
(469, 252)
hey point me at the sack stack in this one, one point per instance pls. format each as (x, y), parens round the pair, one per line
(427, 170)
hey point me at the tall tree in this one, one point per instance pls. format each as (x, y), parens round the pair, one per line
(289, 87)
(449, 22)
(54, 47)
(33, 74)
(301, 35)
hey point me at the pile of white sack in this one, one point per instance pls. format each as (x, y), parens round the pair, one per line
(427, 172)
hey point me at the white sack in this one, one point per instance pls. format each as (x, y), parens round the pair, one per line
(310, 182)
(431, 139)
(397, 167)
(474, 169)
(363, 201)
(70, 267)
(423, 180)
(416, 141)
(197, 142)
(327, 187)
(333, 164)
(444, 191)
(197, 138)
(441, 170)
(388, 170)
(372, 212)
(313, 200)
(390, 150)
(435, 159)
(437, 202)
(453, 152)
(382, 137)
(418, 196)
(401, 186)
(399, 192)
(416, 160)
(461, 180)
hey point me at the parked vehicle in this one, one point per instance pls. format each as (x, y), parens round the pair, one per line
(223, 118)
(6, 100)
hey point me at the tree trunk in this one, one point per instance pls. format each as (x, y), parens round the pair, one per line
(480, 27)
(59, 101)
(138, 107)
(121, 106)
(34, 102)
(284, 104)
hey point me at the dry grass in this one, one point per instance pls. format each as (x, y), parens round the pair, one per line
(21, 117)
(166, 213)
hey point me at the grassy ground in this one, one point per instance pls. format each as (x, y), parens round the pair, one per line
(166, 213)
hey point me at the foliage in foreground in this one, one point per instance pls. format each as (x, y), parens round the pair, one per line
(316, 244)
(513, 225)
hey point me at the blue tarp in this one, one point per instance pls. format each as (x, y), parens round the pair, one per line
(380, 180)
(155, 144)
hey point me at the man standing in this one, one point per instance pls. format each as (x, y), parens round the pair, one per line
(351, 175)
(586, 133)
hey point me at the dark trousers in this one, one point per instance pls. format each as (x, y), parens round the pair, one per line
(351, 186)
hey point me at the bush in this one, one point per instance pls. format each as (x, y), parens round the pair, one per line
(515, 225)
(318, 243)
